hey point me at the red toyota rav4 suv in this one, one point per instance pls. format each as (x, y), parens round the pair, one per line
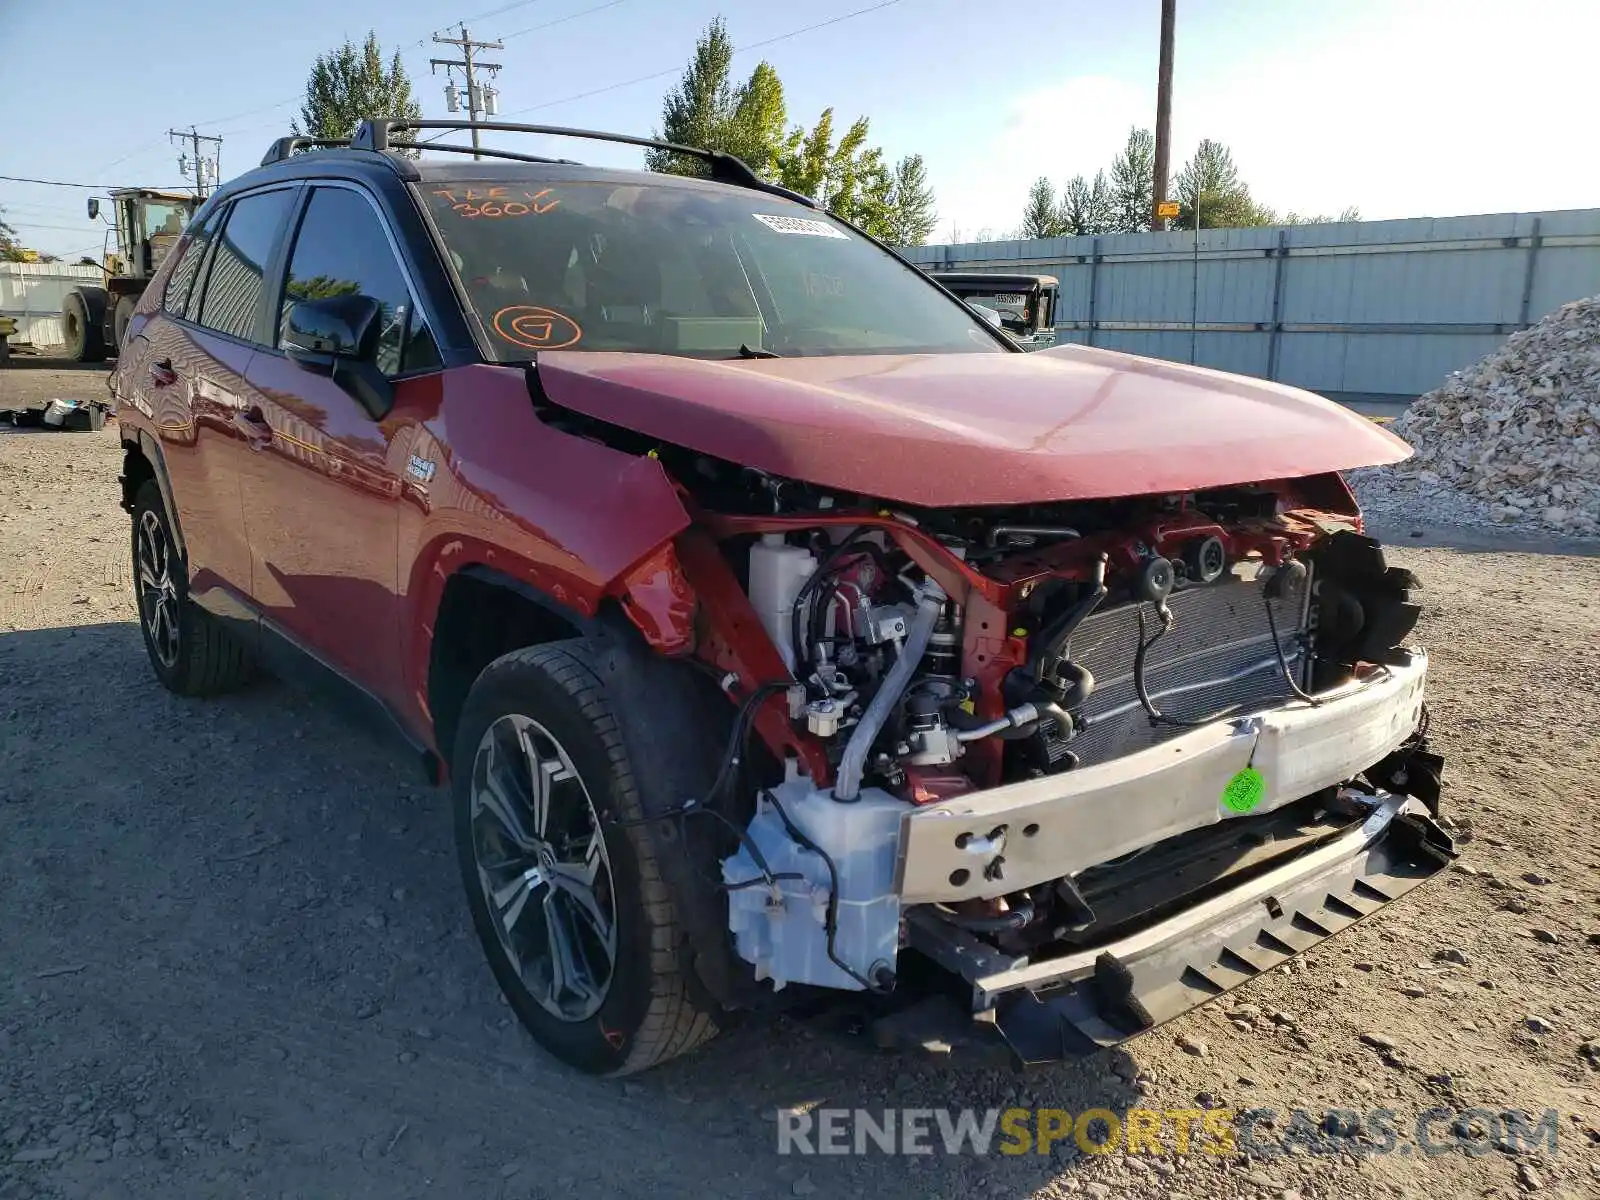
(779, 624)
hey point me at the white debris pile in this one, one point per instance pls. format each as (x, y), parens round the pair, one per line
(1520, 430)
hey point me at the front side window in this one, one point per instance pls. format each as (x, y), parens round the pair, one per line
(236, 280)
(341, 250)
(678, 268)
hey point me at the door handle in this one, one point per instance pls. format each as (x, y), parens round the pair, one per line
(252, 422)
(162, 374)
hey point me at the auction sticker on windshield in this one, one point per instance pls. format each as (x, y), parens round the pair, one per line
(801, 226)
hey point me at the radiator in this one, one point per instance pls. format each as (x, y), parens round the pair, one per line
(1217, 660)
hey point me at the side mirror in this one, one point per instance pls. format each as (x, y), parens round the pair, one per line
(334, 327)
(337, 336)
(94, 208)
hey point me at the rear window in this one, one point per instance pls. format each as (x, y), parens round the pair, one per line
(679, 269)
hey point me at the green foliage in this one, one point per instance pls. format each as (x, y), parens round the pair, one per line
(1087, 208)
(1041, 218)
(1210, 182)
(1133, 183)
(755, 129)
(10, 248)
(699, 111)
(350, 84)
(912, 212)
(1122, 203)
(848, 176)
(1351, 213)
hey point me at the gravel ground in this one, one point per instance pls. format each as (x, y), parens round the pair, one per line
(234, 962)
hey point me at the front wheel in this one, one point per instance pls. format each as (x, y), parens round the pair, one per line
(565, 894)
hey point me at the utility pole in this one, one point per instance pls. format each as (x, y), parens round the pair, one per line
(1163, 112)
(202, 165)
(484, 100)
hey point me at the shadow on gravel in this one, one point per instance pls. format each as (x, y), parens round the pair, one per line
(1480, 541)
(235, 926)
(46, 362)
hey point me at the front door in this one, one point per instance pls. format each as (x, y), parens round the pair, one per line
(321, 498)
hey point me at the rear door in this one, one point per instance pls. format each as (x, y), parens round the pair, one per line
(190, 373)
(322, 499)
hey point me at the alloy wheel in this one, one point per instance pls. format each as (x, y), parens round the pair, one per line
(543, 867)
(158, 590)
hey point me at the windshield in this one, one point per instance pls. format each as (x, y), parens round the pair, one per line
(164, 218)
(676, 269)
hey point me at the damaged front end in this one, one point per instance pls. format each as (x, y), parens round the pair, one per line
(1097, 761)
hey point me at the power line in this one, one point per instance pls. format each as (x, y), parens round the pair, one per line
(98, 187)
(504, 8)
(562, 20)
(782, 37)
(35, 225)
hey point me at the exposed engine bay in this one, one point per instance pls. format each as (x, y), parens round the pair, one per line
(973, 698)
(1100, 760)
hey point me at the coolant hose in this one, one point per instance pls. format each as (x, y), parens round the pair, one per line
(930, 603)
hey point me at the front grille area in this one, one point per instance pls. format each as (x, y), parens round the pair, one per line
(1216, 660)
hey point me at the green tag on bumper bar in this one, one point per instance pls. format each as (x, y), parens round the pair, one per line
(1244, 791)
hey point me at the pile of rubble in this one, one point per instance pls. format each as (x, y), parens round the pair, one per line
(1520, 430)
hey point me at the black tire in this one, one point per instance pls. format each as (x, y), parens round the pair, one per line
(648, 1014)
(190, 652)
(83, 326)
(120, 317)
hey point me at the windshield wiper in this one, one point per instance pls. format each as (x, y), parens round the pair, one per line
(748, 351)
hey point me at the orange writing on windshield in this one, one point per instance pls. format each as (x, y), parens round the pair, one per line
(497, 202)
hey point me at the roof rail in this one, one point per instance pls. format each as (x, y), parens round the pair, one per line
(286, 146)
(376, 134)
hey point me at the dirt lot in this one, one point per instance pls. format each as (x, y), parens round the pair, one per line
(234, 961)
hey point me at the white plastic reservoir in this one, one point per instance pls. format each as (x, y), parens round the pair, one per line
(777, 573)
(785, 936)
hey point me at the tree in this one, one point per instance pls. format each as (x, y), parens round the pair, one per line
(754, 131)
(10, 248)
(1351, 213)
(1041, 218)
(913, 213)
(698, 110)
(1211, 181)
(848, 176)
(1087, 208)
(1133, 183)
(352, 83)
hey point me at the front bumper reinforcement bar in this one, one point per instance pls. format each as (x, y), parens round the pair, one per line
(1074, 1005)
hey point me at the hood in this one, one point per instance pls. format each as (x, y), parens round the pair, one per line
(1070, 423)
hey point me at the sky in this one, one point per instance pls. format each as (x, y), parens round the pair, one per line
(1401, 108)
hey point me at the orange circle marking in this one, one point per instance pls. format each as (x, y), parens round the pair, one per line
(535, 328)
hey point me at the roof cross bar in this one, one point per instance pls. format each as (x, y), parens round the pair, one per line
(284, 147)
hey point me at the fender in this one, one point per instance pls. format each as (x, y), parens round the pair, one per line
(503, 497)
(150, 446)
